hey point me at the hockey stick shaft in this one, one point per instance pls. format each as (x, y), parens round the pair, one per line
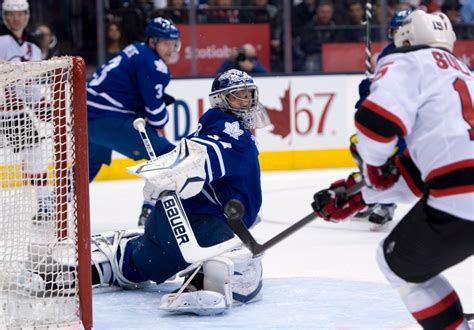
(237, 225)
(139, 125)
(368, 39)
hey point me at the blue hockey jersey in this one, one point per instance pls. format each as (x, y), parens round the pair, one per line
(232, 167)
(130, 84)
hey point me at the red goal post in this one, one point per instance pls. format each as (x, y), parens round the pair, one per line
(45, 265)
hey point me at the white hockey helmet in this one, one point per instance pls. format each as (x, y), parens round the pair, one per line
(420, 28)
(15, 5)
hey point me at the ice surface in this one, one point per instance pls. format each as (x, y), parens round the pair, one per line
(322, 277)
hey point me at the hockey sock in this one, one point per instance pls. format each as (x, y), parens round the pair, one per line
(435, 304)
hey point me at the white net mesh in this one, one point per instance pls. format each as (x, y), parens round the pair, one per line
(38, 209)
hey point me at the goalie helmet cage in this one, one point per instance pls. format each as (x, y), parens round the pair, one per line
(45, 265)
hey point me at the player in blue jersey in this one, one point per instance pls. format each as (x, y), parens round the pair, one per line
(379, 215)
(129, 86)
(217, 163)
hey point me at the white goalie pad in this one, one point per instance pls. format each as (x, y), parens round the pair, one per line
(181, 170)
(231, 279)
(108, 257)
(246, 281)
(215, 296)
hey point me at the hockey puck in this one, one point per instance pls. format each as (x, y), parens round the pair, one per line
(234, 209)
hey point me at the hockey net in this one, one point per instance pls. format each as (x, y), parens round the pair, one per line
(44, 201)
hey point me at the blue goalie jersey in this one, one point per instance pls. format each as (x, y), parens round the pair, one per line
(232, 167)
(130, 84)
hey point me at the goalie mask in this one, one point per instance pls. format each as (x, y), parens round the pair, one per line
(235, 91)
(420, 28)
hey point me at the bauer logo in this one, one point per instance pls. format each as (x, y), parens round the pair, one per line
(176, 219)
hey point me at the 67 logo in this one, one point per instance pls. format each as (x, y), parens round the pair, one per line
(309, 115)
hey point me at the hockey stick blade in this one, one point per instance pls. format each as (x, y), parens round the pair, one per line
(234, 212)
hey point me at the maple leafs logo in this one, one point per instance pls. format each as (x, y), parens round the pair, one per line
(161, 66)
(233, 129)
(280, 118)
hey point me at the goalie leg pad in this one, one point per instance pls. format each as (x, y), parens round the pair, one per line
(213, 297)
(231, 279)
(218, 274)
(236, 275)
(108, 251)
(247, 278)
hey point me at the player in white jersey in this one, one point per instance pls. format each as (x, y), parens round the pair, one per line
(425, 94)
(16, 126)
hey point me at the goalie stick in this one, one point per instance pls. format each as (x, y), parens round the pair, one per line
(139, 125)
(234, 210)
(190, 249)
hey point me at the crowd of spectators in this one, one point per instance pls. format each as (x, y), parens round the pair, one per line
(313, 22)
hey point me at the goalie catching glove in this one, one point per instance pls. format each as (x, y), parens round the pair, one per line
(376, 177)
(181, 170)
(334, 204)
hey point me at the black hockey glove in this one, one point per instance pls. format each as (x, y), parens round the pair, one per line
(168, 99)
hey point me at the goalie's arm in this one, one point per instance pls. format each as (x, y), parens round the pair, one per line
(215, 163)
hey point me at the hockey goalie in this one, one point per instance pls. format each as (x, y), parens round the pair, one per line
(192, 184)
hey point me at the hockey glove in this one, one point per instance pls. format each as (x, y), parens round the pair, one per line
(364, 91)
(381, 177)
(334, 204)
(168, 99)
(376, 177)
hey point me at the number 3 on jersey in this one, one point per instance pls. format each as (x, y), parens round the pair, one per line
(98, 79)
(466, 104)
